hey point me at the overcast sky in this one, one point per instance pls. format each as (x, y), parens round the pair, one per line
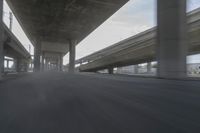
(134, 17)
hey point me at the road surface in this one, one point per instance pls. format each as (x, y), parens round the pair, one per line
(98, 103)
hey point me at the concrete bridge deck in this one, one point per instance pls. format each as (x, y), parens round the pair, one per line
(94, 103)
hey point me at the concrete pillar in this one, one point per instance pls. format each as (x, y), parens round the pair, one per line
(61, 62)
(48, 66)
(171, 40)
(1, 40)
(136, 71)
(31, 65)
(18, 65)
(42, 63)
(72, 54)
(37, 54)
(58, 64)
(50, 62)
(15, 64)
(7, 63)
(25, 65)
(47, 62)
(149, 67)
(110, 70)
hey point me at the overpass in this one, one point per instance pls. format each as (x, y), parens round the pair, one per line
(14, 49)
(57, 102)
(56, 27)
(137, 49)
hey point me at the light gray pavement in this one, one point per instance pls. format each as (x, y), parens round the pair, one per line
(98, 103)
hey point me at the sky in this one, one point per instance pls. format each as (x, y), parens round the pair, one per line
(134, 17)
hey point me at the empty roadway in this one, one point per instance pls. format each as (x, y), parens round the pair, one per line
(93, 103)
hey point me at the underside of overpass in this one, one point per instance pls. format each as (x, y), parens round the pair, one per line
(56, 27)
(57, 102)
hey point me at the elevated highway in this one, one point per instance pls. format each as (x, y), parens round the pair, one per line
(59, 102)
(14, 49)
(56, 27)
(138, 49)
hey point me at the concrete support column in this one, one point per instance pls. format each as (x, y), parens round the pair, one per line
(58, 64)
(7, 63)
(18, 65)
(171, 38)
(31, 64)
(25, 65)
(61, 62)
(48, 66)
(72, 54)
(45, 64)
(1, 40)
(15, 64)
(37, 53)
(110, 70)
(42, 63)
(47, 61)
(136, 71)
(149, 67)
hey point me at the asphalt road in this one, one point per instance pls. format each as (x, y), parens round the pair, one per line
(92, 103)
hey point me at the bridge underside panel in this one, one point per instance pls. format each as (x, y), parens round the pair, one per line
(61, 20)
(53, 24)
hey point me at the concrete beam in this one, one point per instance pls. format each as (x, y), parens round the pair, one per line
(95, 13)
(54, 47)
(171, 37)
